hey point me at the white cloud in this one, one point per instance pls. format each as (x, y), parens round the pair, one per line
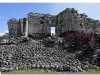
(1, 17)
(2, 33)
(6, 31)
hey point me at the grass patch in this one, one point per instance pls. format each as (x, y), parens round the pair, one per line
(43, 70)
(33, 70)
(29, 70)
(0, 70)
(92, 69)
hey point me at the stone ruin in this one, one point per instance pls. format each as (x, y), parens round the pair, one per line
(34, 53)
(39, 24)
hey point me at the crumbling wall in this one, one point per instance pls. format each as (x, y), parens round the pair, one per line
(18, 27)
(70, 19)
(67, 20)
(39, 23)
(23, 27)
(13, 25)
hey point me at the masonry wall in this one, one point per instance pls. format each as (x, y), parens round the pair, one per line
(23, 27)
(13, 26)
(39, 23)
(67, 20)
(18, 27)
(70, 19)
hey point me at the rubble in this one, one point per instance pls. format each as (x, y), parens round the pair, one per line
(32, 48)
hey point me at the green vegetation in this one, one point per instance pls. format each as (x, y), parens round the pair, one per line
(41, 70)
(35, 70)
(0, 71)
(92, 69)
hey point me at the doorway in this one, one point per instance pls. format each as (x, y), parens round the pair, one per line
(52, 30)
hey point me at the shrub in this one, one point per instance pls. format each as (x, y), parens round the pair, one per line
(77, 40)
(78, 37)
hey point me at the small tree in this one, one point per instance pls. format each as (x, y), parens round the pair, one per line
(78, 41)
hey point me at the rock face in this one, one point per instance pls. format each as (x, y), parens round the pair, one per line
(67, 20)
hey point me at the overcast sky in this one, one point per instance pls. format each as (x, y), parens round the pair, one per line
(20, 10)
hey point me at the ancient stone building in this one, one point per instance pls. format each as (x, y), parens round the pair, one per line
(39, 24)
(18, 28)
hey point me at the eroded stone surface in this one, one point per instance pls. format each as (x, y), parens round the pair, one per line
(39, 24)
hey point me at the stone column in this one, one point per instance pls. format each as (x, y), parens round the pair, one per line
(21, 26)
(25, 27)
(26, 33)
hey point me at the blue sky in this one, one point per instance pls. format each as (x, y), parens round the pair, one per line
(20, 10)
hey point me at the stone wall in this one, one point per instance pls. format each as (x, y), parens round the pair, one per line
(67, 20)
(13, 27)
(39, 23)
(18, 27)
(23, 26)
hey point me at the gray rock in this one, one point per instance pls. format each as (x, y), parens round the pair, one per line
(34, 65)
(74, 69)
(79, 68)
